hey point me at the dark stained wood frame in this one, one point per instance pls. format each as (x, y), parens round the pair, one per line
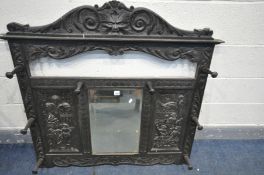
(116, 29)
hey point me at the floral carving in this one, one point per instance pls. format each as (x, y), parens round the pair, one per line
(168, 122)
(59, 129)
(111, 19)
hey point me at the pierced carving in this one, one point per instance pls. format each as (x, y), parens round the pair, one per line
(113, 18)
(168, 121)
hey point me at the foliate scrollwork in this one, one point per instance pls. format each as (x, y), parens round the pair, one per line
(168, 121)
(89, 18)
(112, 18)
(56, 52)
(141, 21)
(196, 54)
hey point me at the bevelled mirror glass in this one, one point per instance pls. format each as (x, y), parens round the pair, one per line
(99, 64)
(115, 117)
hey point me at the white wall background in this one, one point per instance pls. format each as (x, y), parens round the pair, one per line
(236, 97)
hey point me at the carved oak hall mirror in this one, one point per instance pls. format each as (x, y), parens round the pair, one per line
(111, 85)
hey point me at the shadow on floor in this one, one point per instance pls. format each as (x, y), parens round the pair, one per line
(209, 157)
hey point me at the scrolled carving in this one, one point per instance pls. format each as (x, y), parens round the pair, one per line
(89, 18)
(112, 18)
(196, 54)
(58, 52)
(141, 20)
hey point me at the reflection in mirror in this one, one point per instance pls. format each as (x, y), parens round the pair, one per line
(99, 64)
(115, 116)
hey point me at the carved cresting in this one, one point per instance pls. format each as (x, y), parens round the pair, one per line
(113, 18)
(168, 121)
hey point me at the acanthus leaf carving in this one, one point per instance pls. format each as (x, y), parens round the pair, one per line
(113, 18)
(194, 54)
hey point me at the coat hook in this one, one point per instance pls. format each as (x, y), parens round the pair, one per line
(208, 71)
(195, 119)
(39, 162)
(78, 88)
(188, 162)
(17, 69)
(150, 87)
(28, 125)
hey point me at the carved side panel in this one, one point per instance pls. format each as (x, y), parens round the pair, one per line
(58, 120)
(170, 115)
